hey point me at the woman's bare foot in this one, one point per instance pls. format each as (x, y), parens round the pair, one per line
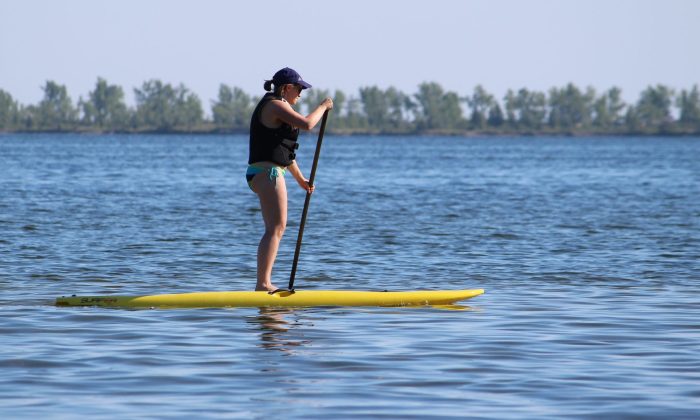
(269, 287)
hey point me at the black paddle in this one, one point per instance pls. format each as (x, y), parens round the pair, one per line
(306, 202)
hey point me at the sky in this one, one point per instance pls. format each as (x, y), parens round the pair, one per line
(500, 44)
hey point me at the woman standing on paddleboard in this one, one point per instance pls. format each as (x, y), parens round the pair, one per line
(274, 129)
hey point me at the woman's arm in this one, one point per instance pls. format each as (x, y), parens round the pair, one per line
(283, 111)
(296, 173)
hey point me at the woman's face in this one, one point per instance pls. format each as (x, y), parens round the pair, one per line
(291, 93)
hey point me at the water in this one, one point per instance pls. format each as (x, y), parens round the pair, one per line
(588, 249)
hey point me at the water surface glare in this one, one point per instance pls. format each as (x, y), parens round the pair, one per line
(588, 249)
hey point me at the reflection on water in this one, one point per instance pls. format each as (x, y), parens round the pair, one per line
(452, 307)
(280, 327)
(275, 325)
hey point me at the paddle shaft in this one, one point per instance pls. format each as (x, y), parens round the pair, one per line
(297, 251)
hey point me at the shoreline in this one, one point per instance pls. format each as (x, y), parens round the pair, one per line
(379, 133)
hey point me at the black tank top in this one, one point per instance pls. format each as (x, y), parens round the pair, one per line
(276, 145)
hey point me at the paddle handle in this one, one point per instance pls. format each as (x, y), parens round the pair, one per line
(297, 251)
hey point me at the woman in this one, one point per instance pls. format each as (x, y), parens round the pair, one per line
(274, 129)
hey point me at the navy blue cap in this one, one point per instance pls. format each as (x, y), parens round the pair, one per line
(287, 75)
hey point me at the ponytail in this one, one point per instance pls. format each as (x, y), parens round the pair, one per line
(268, 87)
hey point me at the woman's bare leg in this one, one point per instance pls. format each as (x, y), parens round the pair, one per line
(273, 203)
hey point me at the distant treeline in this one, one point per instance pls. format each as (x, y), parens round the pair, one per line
(162, 107)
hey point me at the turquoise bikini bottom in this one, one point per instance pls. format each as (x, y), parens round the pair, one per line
(273, 173)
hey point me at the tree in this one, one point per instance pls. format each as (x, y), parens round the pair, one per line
(438, 109)
(510, 104)
(28, 117)
(56, 110)
(526, 109)
(399, 105)
(375, 106)
(429, 100)
(689, 104)
(189, 108)
(339, 103)
(480, 103)
(632, 121)
(355, 117)
(569, 107)
(532, 108)
(453, 117)
(233, 108)
(160, 106)
(105, 107)
(607, 109)
(155, 103)
(654, 106)
(496, 117)
(9, 111)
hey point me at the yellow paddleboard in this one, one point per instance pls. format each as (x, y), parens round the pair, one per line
(263, 299)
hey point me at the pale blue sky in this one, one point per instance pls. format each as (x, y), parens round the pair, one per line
(498, 43)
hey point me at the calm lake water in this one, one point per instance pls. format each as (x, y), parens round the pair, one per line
(588, 248)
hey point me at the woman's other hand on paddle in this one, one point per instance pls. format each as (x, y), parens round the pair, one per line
(300, 178)
(304, 184)
(328, 103)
